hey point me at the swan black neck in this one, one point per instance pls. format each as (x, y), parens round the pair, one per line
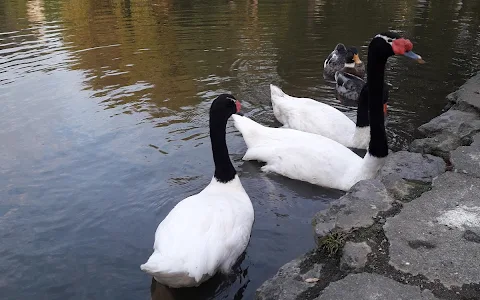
(362, 108)
(377, 60)
(224, 170)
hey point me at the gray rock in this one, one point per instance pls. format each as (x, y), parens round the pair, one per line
(289, 282)
(467, 159)
(322, 227)
(355, 255)
(402, 189)
(429, 236)
(468, 94)
(366, 286)
(459, 123)
(440, 145)
(356, 209)
(412, 166)
(447, 132)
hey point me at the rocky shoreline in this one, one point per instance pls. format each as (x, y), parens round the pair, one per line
(411, 233)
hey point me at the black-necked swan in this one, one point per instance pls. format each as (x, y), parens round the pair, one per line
(206, 232)
(317, 159)
(334, 61)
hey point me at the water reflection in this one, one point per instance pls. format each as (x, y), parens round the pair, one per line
(105, 130)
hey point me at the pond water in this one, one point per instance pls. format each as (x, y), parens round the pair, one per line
(104, 124)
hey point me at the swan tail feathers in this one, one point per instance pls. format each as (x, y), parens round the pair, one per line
(276, 92)
(250, 130)
(160, 268)
(155, 265)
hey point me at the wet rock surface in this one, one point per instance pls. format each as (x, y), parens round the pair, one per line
(366, 286)
(429, 236)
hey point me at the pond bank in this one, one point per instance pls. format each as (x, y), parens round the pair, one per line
(411, 233)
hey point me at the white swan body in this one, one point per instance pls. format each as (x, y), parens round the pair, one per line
(207, 232)
(305, 156)
(203, 233)
(308, 115)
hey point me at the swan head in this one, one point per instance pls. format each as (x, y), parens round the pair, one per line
(391, 43)
(224, 106)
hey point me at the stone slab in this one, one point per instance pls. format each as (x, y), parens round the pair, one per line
(468, 94)
(404, 190)
(366, 286)
(357, 209)
(437, 234)
(466, 159)
(447, 132)
(439, 145)
(355, 255)
(456, 122)
(412, 166)
(289, 282)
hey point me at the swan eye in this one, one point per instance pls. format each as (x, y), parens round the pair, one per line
(389, 40)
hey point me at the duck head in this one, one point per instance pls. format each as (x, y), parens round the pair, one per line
(391, 43)
(224, 106)
(352, 58)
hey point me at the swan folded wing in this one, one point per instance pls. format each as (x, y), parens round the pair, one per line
(318, 161)
(312, 116)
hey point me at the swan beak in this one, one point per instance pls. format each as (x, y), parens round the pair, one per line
(357, 59)
(385, 109)
(415, 56)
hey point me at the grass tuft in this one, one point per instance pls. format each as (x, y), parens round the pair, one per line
(333, 242)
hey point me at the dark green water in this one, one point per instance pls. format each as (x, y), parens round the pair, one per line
(104, 124)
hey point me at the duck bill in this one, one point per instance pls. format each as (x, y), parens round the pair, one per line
(414, 56)
(357, 59)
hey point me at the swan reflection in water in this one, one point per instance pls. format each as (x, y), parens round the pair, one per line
(215, 286)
